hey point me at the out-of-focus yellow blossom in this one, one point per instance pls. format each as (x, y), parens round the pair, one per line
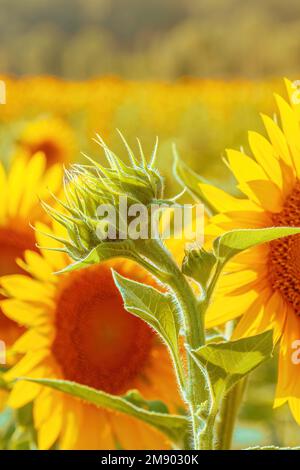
(52, 136)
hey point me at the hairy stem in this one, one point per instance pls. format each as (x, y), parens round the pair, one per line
(193, 325)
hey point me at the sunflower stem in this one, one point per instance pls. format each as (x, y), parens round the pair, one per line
(194, 392)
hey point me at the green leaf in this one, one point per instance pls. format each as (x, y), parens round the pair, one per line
(155, 308)
(134, 396)
(103, 252)
(235, 241)
(213, 335)
(228, 362)
(189, 179)
(173, 426)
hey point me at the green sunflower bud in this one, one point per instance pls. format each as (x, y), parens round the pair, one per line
(198, 264)
(102, 203)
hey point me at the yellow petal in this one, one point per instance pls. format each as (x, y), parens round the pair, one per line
(16, 181)
(263, 316)
(288, 383)
(34, 339)
(223, 201)
(291, 130)
(241, 219)
(134, 435)
(256, 257)
(265, 157)
(277, 139)
(52, 181)
(24, 288)
(126, 431)
(50, 428)
(232, 281)
(267, 194)
(71, 427)
(94, 418)
(38, 266)
(244, 168)
(294, 404)
(223, 308)
(55, 259)
(24, 313)
(43, 405)
(34, 171)
(25, 365)
(23, 393)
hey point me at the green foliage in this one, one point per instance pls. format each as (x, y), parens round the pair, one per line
(157, 39)
(209, 367)
(103, 252)
(198, 264)
(225, 363)
(233, 242)
(157, 309)
(173, 426)
(134, 397)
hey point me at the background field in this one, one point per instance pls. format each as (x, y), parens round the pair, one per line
(142, 39)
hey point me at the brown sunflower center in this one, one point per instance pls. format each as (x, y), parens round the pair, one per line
(285, 252)
(13, 243)
(51, 150)
(97, 342)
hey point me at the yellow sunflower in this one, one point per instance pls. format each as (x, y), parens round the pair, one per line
(19, 191)
(52, 136)
(262, 285)
(78, 330)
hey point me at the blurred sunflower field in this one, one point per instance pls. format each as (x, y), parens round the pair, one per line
(48, 123)
(202, 117)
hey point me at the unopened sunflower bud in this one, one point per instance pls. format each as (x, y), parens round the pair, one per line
(198, 264)
(102, 204)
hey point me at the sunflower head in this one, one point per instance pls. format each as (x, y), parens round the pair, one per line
(50, 135)
(92, 191)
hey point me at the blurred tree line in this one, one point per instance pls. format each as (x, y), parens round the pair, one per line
(160, 39)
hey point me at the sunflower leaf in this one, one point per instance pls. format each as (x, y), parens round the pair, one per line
(104, 251)
(233, 242)
(134, 396)
(228, 362)
(155, 308)
(173, 426)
